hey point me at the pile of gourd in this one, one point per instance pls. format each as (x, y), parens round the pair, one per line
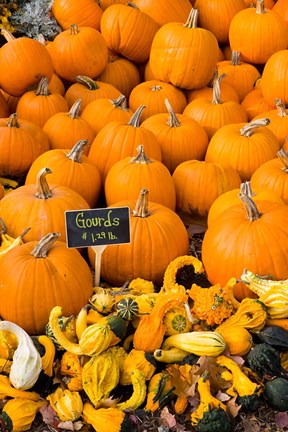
(101, 116)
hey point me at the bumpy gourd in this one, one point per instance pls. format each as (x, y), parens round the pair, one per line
(66, 403)
(27, 363)
(19, 413)
(137, 359)
(160, 391)
(105, 419)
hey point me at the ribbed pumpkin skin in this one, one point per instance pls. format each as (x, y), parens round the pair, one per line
(83, 177)
(186, 141)
(194, 178)
(165, 11)
(254, 104)
(152, 94)
(20, 209)
(62, 278)
(128, 31)
(244, 153)
(185, 57)
(85, 13)
(234, 243)
(20, 146)
(274, 77)
(4, 107)
(118, 140)
(125, 179)
(216, 16)
(28, 59)
(78, 51)
(256, 35)
(278, 123)
(155, 241)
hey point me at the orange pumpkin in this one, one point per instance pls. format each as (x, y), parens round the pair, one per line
(148, 253)
(78, 51)
(165, 11)
(70, 168)
(29, 61)
(180, 137)
(175, 56)
(40, 207)
(280, 7)
(254, 104)
(153, 94)
(121, 26)
(127, 176)
(21, 142)
(87, 13)
(274, 77)
(239, 74)
(104, 4)
(118, 139)
(193, 178)
(244, 146)
(87, 90)
(45, 273)
(37, 106)
(4, 107)
(67, 127)
(247, 236)
(257, 33)
(213, 113)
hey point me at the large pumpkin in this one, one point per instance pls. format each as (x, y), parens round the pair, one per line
(165, 11)
(36, 276)
(85, 13)
(248, 235)
(274, 77)
(40, 207)
(158, 235)
(183, 54)
(23, 62)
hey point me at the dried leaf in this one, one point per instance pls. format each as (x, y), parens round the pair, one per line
(251, 425)
(167, 418)
(183, 378)
(70, 426)
(49, 416)
(281, 419)
(233, 408)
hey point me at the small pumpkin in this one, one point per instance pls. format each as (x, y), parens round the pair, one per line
(65, 12)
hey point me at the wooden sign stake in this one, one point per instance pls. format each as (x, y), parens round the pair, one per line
(98, 252)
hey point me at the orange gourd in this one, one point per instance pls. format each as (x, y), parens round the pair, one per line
(70, 168)
(193, 178)
(184, 54)
(127, 176)
(39, 206)
(45, 273)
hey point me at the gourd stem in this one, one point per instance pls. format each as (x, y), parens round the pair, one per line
(74, 29)
(135, 119)
(13, 121)
(283, 156)
(156, 88)
(43, 191)
(42, 89)
(7, 35)
(75, 109)
(77, 150)
(260, 7)
(245, 188)
(249, 128)
(44, 245)
(3, 228)
(192, 19)
(216, 96)
(235, 58)
(87, 81)
(173, 119)
(252, 212)
(281, 109)
(141, 157)
(120, 102)
(141, 209)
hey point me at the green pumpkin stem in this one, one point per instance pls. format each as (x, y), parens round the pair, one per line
(44, 245)
(43, 190)
(77, 150)
(249, 128)
(87, 82)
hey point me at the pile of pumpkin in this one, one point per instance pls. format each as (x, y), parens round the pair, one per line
(100, 116)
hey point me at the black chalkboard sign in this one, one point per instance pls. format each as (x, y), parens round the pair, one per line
(95, 227)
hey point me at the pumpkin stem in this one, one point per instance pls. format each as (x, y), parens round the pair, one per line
(133, 5)
(156, 88)
(249, 128)
(216, 97)
(7, 35)
(280, 108)
(13, 121)
(3, 228)
(252, 212)
(235, 58)
(245, 188)
(74, 110)
(173, 119)
(192, 19)
(283, 156)
(87, 82)
(42, 89)
(141, 157)
(44, 245)
(141, 209)
(43, 191)
(135, 119)
(40, 38)
(120, 102)
(74, 29)
(260, 7)
(77, 150)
